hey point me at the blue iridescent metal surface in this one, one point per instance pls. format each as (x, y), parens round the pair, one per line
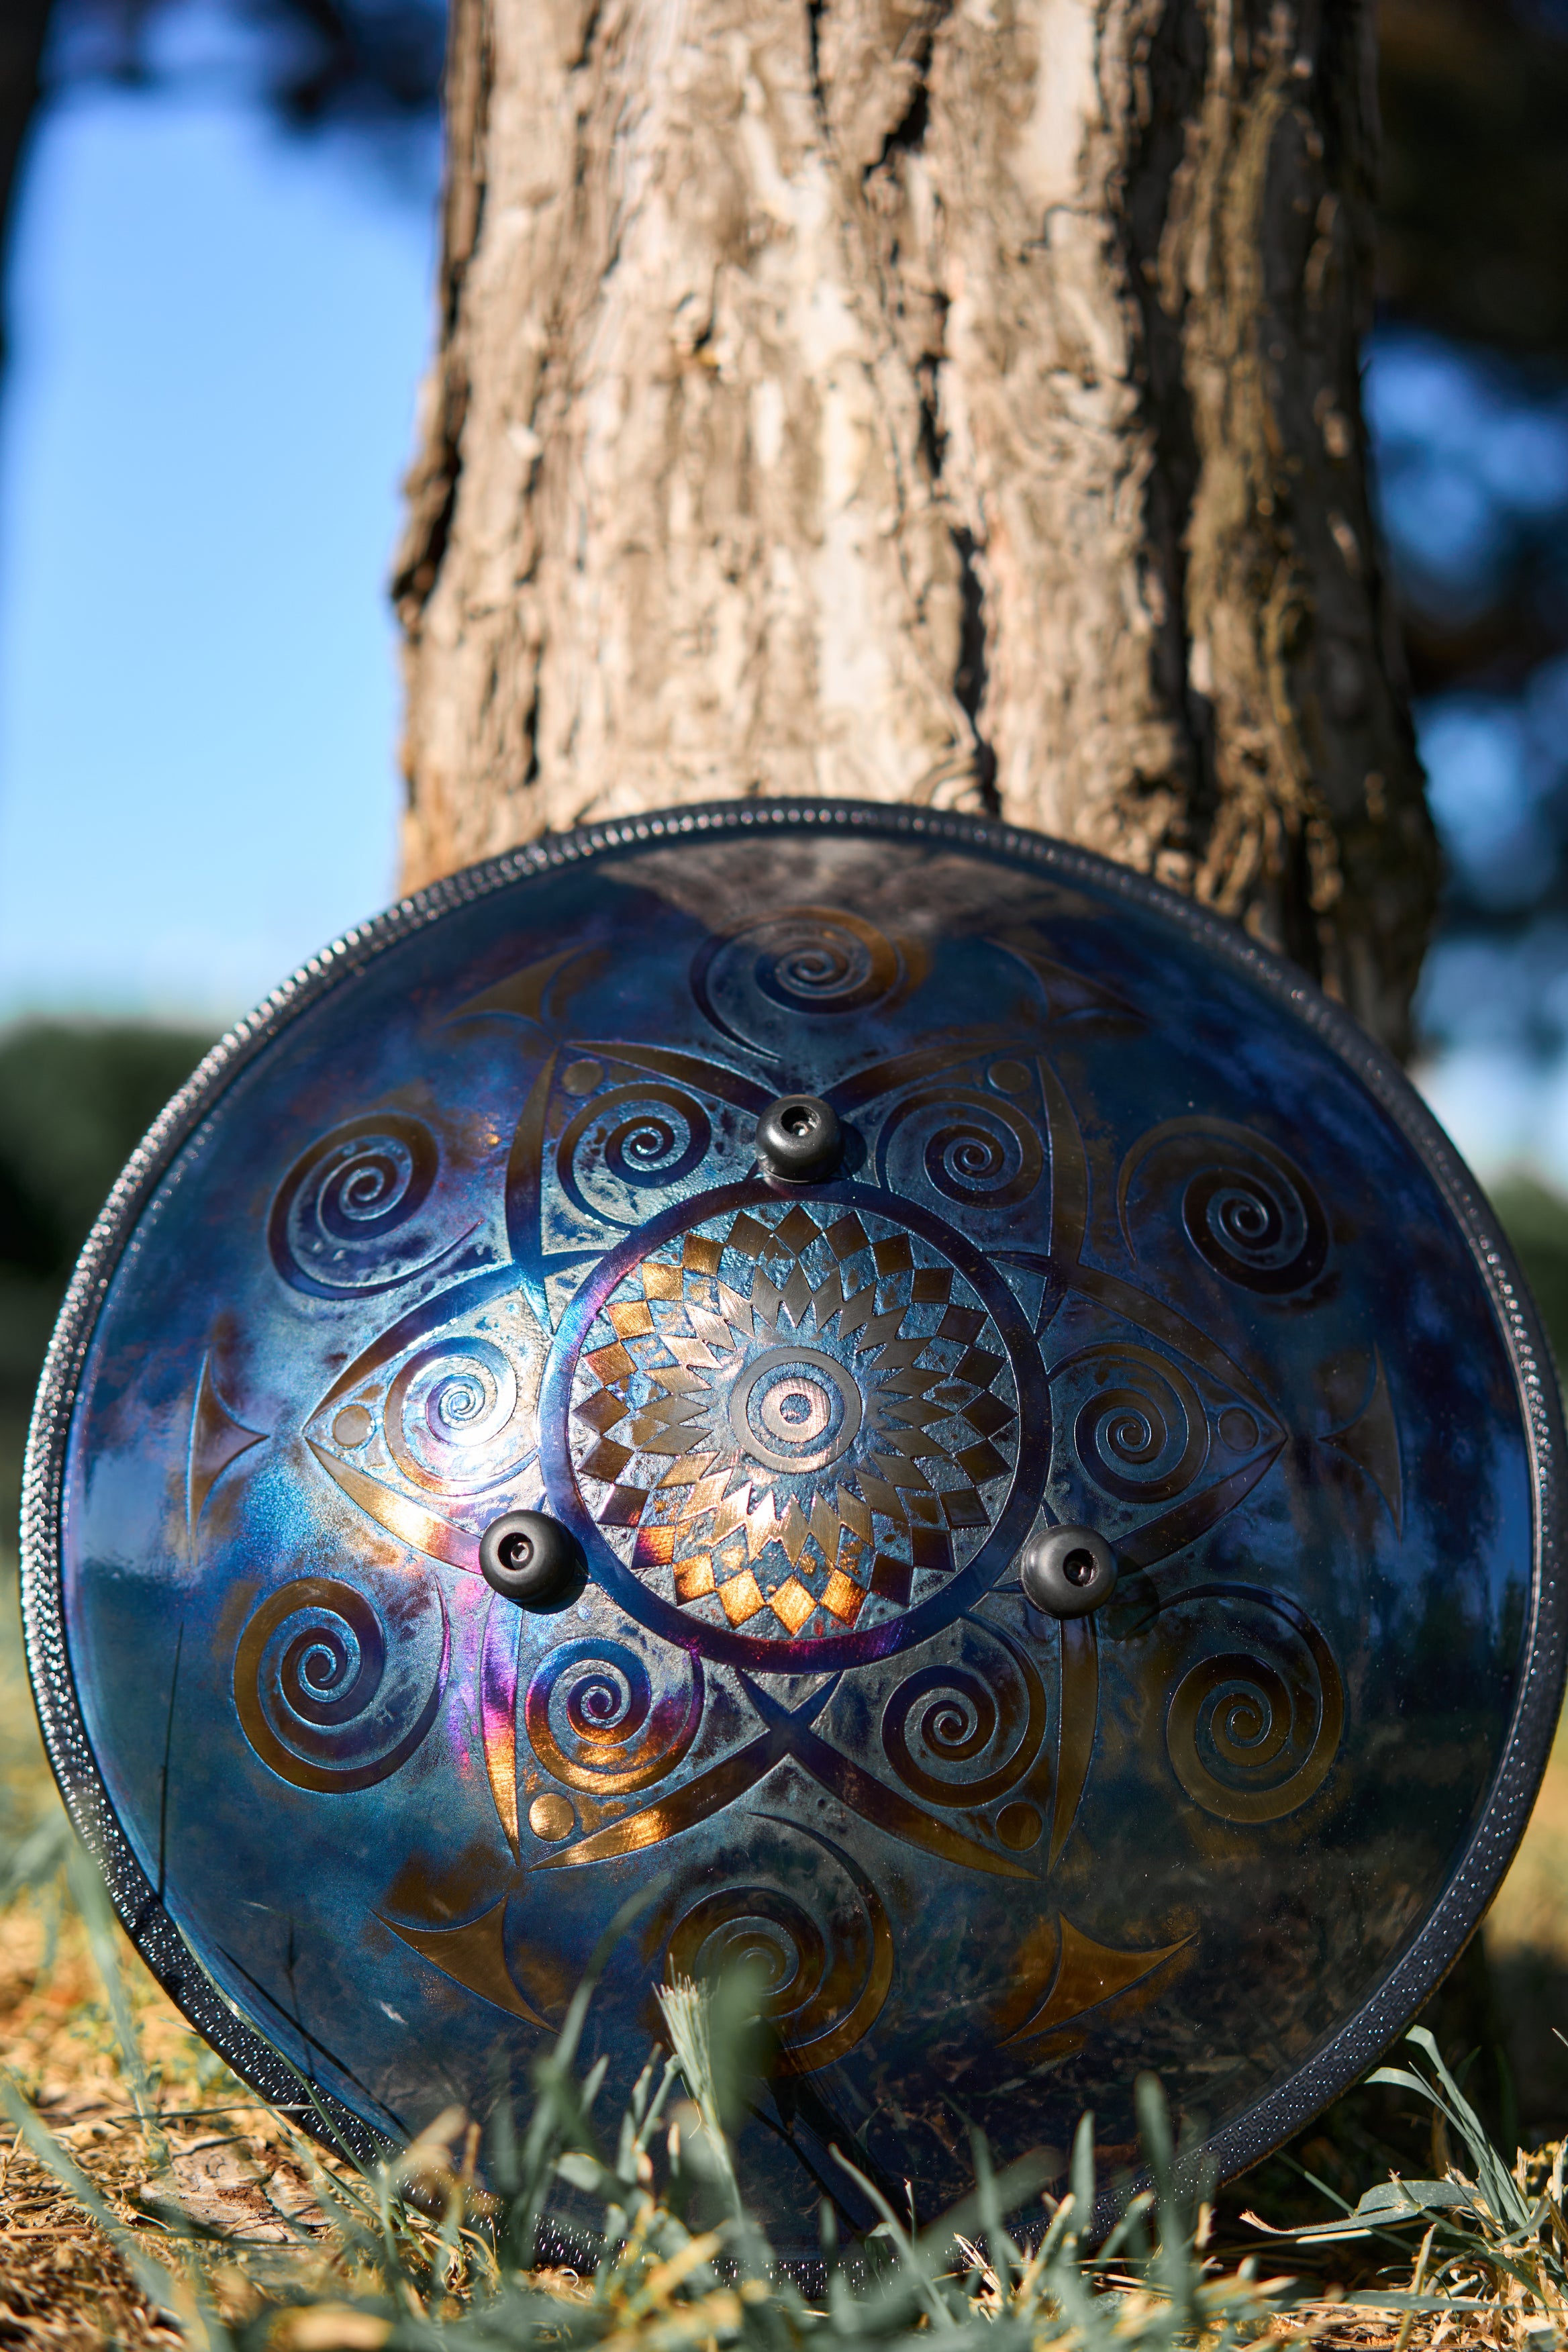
(1132, 1230)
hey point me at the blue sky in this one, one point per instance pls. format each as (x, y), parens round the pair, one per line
(217, 332)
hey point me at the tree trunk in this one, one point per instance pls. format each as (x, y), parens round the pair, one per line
(23, 25)
(945, 404)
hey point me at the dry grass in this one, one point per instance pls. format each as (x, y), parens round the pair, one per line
(230, 2167)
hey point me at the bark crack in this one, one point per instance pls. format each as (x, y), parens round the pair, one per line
(815, 12)
(969, 678)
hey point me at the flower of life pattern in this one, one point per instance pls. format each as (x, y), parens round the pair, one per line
(794, 1419)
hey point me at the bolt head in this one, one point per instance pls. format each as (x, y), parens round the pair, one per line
(1068, 1572)
(529, 1558)
(799, 1139)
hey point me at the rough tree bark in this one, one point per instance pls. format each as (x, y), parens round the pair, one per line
(943, 400)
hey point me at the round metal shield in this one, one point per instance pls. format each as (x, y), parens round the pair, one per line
(1130, 1232)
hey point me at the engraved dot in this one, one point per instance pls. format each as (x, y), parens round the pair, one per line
(582, 1077)
(352, 1426)
(1019, 1826)
(1008, 1078)
(551, 1817)
(1237, 1429)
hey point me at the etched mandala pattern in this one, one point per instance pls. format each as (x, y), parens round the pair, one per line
(794, 1419)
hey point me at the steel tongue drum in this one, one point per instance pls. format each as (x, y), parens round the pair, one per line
(882, 1381)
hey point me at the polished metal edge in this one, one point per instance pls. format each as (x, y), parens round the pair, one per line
(1409, 1981)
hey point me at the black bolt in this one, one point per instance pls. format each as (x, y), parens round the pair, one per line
(1068, 1572)
(799, 1138)
(527, 1557)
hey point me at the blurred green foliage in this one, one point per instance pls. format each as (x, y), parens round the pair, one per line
(1536, 1222)
(74, 1101)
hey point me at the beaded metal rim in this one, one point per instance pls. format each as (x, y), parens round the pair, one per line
(1405, 1984)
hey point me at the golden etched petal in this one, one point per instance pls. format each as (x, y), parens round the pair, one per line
(741, 1596)
(792, 1604)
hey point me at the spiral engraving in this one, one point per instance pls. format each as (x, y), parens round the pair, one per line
(959, 1736)
(1251, 1737)
(1246, 1207)
(456, 1421)
(1141, 1432)
(595, 1723)
(816, 960)
(969, 1146)
(1263, 1229)
(344, 1221)
(822, 1978)
(824, 962)
(333, 1693)
(628, 1141)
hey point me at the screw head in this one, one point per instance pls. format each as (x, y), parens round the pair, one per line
(799, 1138)
(1068, 1572)
(527, 1557)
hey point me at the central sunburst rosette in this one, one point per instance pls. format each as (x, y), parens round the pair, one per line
(794, 1420)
